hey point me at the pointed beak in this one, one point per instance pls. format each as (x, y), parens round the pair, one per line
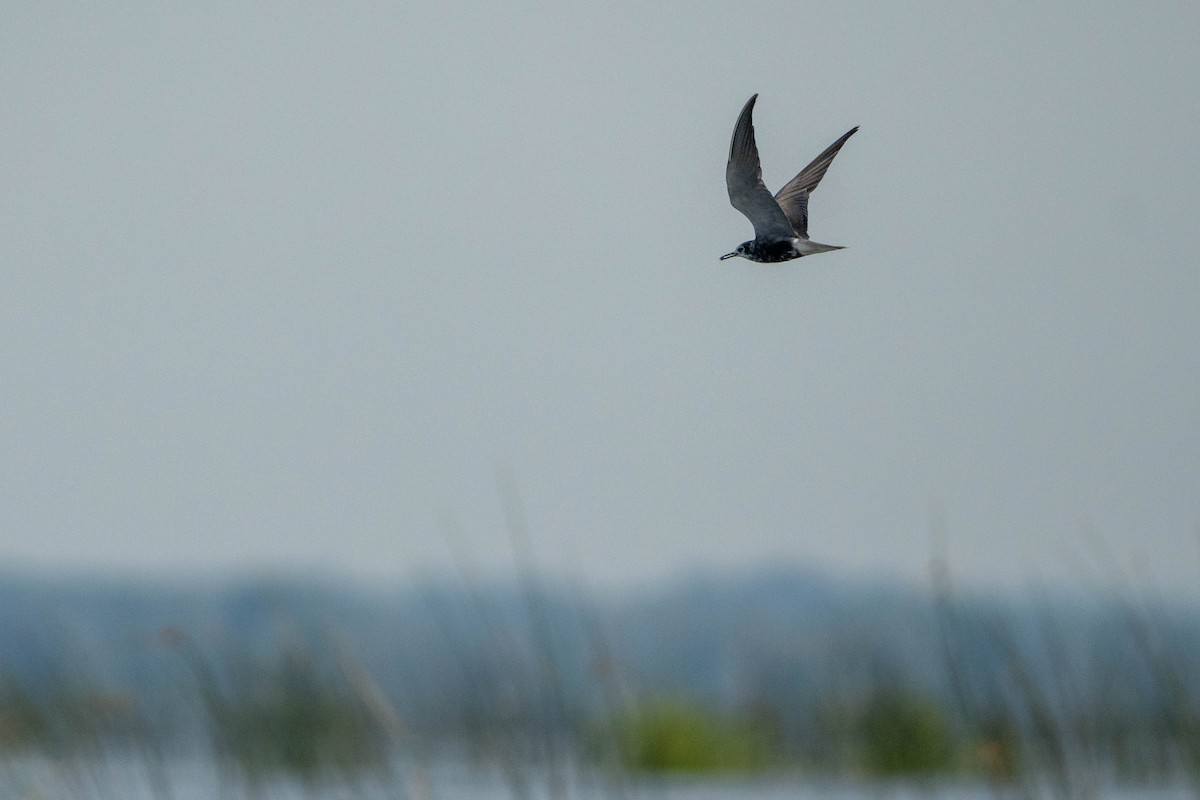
(727, 255)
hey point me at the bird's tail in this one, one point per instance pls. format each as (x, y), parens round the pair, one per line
(809, 247)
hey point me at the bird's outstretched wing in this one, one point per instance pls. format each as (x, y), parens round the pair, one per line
(743, 177)
(793, 197)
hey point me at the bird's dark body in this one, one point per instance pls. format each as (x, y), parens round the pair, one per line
(770, 251)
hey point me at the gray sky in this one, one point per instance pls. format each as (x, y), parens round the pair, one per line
(280, 287)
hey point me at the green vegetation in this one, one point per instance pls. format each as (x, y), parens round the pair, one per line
(23, 725)
(292, 720)
(905, 734)
(679, 736)
(63, 717)
(1021, 707)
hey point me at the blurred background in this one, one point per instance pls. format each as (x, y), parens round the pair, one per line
(378, 358)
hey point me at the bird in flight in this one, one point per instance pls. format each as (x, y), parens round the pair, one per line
(780, 222)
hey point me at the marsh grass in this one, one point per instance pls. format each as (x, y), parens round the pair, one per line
(1034, 707)
(678, 736)
(1068, 711)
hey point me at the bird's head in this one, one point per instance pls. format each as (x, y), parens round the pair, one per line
(742, 250)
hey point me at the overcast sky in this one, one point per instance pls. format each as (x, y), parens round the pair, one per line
(282, 286)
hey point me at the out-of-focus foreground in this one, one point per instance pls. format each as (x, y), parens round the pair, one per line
(786, 673)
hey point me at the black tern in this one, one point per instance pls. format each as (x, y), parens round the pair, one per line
(780, 222)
